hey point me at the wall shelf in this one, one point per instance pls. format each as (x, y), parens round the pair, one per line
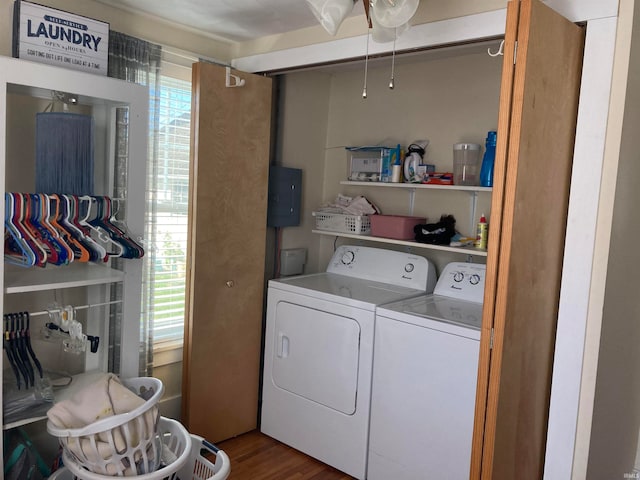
(411, 188)
(417, 186)
(407, 243)
(78, 382)
(20, 280)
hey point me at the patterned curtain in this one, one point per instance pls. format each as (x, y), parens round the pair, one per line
(136, 61)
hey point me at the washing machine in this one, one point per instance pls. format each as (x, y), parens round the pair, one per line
(424, 380)
(319, 350)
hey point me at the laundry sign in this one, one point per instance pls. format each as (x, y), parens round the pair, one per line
(47, 35)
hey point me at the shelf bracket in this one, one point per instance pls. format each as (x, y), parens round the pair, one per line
(473, 209)
(412, 200)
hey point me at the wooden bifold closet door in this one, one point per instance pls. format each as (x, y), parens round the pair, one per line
(536, 134)
(231, 130)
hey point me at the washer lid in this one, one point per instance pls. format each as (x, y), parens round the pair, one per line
(355, 292)
(426, 309)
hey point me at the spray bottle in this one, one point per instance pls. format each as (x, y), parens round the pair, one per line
(482, 232)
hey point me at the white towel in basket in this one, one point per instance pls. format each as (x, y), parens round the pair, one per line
(104, 398)
(351, 206)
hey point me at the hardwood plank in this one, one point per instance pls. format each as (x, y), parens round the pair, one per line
(255, 456)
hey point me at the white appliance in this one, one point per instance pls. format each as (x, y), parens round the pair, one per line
(319, 350)
(424, 380)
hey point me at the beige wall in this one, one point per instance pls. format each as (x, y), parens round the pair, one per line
(616, 415)
(302, 133)
(142, 26)
(446, 98)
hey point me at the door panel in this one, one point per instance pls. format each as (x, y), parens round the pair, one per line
(526, 248)
(316, 356)
(228, 202)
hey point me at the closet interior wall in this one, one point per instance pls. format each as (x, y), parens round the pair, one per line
(446, 95)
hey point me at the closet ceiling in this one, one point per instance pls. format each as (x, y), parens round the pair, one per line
(232, 20)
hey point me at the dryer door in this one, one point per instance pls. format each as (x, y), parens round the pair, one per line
(315, 355)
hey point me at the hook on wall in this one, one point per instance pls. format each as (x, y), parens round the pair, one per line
(499, 52)
(237, 81)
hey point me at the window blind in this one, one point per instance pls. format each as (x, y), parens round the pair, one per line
(167, 197)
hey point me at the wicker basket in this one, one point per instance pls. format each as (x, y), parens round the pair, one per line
(336, 222)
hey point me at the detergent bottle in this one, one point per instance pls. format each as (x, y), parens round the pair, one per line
(486, 170)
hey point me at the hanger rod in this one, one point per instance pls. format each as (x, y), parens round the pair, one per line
(79, 307)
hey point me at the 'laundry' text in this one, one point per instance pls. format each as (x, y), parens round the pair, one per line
(56, 32)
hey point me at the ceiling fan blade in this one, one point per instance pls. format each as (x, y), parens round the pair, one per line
(331, 13)
(394, 13)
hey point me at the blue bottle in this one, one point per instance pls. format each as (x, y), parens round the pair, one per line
(486, 170)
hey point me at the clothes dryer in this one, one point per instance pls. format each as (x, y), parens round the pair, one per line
(424, 380)
(319, 350)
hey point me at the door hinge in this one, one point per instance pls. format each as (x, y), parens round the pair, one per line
(491, 339)
(515, 51)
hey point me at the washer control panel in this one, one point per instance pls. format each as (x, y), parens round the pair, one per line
(464, 281)
(385, 266)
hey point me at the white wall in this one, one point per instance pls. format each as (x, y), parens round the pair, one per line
(616, 414)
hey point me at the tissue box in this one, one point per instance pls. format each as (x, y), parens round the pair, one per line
(399, 227)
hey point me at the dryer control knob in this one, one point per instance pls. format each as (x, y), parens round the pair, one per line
(458, 276)
(409, 267)
(474, 279)
(348, 257)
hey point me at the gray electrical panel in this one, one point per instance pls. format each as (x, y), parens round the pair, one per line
(285, 195)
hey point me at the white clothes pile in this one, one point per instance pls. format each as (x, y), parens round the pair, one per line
(350, 206)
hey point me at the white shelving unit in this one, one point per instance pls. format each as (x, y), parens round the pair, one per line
(102, 96)
(473, 192)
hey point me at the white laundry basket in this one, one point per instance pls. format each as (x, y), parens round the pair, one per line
(121, 444)
(197, 465)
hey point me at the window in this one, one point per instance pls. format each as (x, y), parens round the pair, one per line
(167, 197)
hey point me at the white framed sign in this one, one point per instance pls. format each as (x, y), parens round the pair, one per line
(47, 35)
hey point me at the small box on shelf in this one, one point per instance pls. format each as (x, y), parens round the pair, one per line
(399, 227)
(372, 164)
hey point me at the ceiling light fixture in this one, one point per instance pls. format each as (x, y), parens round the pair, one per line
(331, 13)
(394, 13)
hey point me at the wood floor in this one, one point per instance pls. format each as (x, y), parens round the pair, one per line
(255, 456)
